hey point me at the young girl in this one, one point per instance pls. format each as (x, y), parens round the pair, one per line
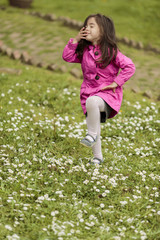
(101, 91)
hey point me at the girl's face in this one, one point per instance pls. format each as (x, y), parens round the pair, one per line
(93, 31)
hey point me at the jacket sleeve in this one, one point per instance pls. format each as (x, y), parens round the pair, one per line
(69, 54)
(127, 68)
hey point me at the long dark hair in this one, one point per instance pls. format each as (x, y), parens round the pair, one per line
(107, 42)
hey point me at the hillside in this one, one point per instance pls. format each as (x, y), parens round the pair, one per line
(48, 190)
(137, 19)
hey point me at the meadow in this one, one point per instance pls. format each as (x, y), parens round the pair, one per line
(140, 18)
(48, 190)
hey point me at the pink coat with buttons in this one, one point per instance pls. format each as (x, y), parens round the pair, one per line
(96, 78)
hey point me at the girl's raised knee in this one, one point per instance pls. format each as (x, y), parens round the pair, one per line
(91, 102)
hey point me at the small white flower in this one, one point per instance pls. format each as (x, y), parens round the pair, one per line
(81, 220)
(79, 215)
(102, 205)
(123, 203)
(86, 182)
(44, 229)
(13, 237)
(117, 238)
(104, 194)
(54, 213)
(107, 191)
(91, 217)
(130, 220)
(8, 227)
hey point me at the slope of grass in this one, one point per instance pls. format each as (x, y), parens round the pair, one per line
(48, 189)
(46, 41)
(136, 19)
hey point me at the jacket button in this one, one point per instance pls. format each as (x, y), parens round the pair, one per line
(96, 53)
(97, 77)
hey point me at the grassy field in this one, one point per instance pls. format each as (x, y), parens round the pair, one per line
(48, 190)
(136, 19)
(45, 41)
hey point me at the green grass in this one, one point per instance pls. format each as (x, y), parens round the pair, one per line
(44, 34)
(36, 27)
(136, 19)
(48, 190)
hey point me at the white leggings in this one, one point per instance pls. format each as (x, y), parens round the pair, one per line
(94, 106)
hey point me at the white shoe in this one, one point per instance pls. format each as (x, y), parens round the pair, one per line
(96, 161)
(87, 142)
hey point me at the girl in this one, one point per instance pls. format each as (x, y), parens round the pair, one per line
(101, 91)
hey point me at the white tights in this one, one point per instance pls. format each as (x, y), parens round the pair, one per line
(94, 106)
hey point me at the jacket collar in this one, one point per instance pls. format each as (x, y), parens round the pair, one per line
(93, 49)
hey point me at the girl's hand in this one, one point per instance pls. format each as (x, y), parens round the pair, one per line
(81, 35)
(111, 86)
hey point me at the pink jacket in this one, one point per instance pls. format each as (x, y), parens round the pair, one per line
(95, 78)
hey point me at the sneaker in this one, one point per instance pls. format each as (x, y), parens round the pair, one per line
(96, 161)
(88, 142)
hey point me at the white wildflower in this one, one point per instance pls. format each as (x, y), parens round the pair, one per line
(8, 227)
